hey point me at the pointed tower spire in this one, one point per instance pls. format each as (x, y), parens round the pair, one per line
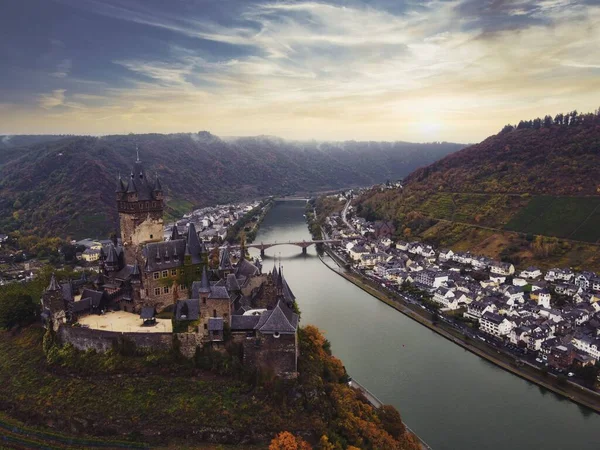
(204, 284)
(53, 286)
(174, 233)
(120, 184)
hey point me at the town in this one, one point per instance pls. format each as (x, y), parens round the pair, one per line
(549, 319)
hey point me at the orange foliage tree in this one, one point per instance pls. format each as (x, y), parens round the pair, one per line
(287, 441)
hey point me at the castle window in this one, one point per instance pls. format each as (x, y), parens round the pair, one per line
(206, 326)
(204, 301)
(165, 273)
(173, 271)
(182, 271)
(147, 205)
(151, 236)
(214, 313)
(276, 335)
(156, 275)
(181, 287)
(156, 291)
(166, 289)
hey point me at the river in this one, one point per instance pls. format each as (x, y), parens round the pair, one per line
(451, 398)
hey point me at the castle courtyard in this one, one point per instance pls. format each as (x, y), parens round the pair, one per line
(123, 321)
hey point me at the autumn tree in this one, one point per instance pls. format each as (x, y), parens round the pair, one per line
(324, 444)
(287, 441)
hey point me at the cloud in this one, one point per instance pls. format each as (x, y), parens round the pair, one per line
(63, 68)
(55, 98)
(350, 70)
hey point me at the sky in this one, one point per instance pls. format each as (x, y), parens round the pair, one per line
(422, 71)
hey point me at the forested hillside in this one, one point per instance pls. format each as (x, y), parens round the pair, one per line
(66, 186)
(530, 194)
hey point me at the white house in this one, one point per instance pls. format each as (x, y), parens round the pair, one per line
(543, 298)
(495, 324)
(558, 275)
(531, 273)
(431, 278)
(90, 254)
(446, 298)
(519, 334)
(445, 255)
(478, 308)
(501, 268)
(590, 346)
(401, 245)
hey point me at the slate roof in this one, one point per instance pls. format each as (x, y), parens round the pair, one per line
(244, 323)
(147, 313)
(164, 255)
(193, 309)
(246, 268)
(231, 283)
(138, 182)
(224, 260)
(94, 296)
(193, 246)
(215, 324)
(219, 292)
(82, 305)
(281, 320)
(493, 317)
(204, 283)
(67, 291)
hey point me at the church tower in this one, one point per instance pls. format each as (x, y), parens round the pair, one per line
(140, 206)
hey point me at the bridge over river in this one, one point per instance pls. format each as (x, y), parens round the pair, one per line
(302, 244)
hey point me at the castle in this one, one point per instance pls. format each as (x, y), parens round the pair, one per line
(144, 274)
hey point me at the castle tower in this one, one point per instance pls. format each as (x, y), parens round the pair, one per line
(140, 206)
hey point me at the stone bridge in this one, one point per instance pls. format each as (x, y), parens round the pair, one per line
(302, 244)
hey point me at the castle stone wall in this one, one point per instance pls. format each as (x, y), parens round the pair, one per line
(188, 342)
(267, 352)
(102, 341)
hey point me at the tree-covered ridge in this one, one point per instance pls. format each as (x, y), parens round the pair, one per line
(542, 156)
(66, 187)
(528, 195)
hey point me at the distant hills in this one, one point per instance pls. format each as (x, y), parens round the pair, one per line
(64, 186)
(538, 178)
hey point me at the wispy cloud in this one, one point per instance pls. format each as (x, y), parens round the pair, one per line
(63, 68)
(350, 70)
(53, 99)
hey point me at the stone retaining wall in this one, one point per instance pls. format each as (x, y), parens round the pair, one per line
(102, 341)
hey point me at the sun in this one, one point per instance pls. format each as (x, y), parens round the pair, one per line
(430, 130)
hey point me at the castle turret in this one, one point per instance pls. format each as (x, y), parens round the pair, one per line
(140, 206)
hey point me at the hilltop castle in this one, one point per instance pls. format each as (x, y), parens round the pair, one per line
(145, 274)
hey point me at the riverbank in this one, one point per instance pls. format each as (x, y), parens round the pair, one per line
(571, 391)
